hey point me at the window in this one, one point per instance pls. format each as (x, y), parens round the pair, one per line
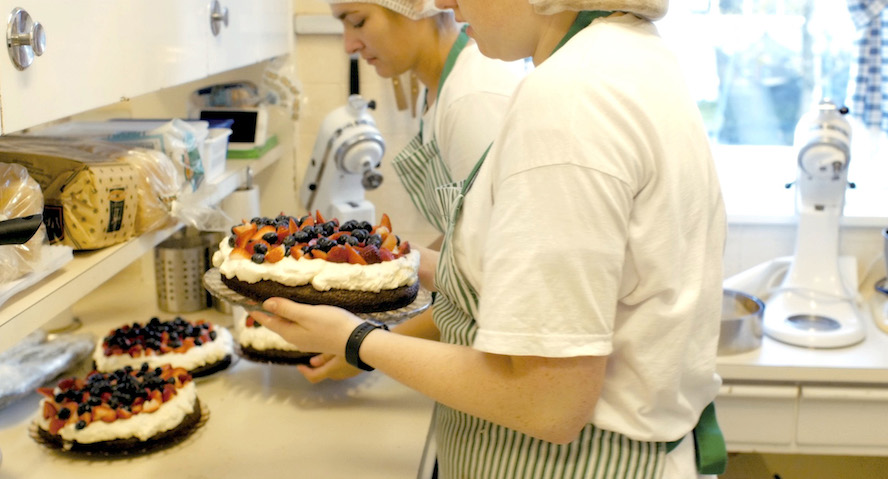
(756, 66)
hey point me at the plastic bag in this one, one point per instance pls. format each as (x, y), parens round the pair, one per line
(20, 196)
(36, 360)
(280, 85)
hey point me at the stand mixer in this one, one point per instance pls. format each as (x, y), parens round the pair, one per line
(344, 163)
(817, 305)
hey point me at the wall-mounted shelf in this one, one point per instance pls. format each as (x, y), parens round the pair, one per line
(40, 303)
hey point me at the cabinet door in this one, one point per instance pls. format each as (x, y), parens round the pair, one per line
(99, 52)
(257, 30)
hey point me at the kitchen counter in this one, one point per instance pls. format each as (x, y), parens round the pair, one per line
(788, 399)
(861, 363)
(264, 418)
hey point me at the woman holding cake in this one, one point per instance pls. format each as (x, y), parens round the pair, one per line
(466, 96)
(579, 282)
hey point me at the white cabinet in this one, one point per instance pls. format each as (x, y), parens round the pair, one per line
(99, 52)
(253, 28)
(844, 416)
(757, 414)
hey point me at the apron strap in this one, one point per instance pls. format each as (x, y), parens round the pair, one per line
(582, 21)
(710, 451)
(709, 443)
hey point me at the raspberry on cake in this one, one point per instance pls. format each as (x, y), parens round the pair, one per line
(361, 267)
(200, 347)
(115, 413)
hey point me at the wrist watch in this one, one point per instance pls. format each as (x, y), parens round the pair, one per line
(353, 345)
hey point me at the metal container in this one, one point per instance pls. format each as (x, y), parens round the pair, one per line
(741, 323)
(179, 266)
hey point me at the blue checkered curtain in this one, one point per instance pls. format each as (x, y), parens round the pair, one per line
(868, 86)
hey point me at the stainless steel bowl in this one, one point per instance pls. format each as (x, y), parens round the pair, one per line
(741, 323)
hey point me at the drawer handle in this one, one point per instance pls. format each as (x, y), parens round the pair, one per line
(218, 17)
(25, 38)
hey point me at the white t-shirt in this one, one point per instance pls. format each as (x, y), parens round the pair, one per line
(596, 227)
(469, 110)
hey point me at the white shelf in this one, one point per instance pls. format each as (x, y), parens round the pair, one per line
(40, 303)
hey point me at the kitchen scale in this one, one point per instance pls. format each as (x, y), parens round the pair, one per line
(816, 304)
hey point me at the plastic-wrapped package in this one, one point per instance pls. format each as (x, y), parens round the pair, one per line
(181, 141)
(36, 360)
(20, 196)
(159, 181)
(90, 200)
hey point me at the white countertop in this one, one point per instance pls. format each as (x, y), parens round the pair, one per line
(264, 418)
(864, 363)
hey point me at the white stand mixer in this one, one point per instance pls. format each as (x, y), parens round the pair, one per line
(344, 163)
(817, 305)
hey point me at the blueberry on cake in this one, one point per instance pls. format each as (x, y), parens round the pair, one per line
(357, 266)
(200, 347)
(119, 412)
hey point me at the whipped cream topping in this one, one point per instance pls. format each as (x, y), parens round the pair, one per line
(141, 426)
(260, 338)
(207, 353)
(321, 274)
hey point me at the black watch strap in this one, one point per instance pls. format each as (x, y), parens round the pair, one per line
(353, 345)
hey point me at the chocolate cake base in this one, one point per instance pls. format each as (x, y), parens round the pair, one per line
(276, 356)
(127, 446)
(199, 371)
(211, 368)
(354, 301)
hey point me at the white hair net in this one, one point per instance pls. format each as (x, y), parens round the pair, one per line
(651, 9)
(413, 9)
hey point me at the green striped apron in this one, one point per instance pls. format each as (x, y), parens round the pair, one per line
(420, 166)
(472, 448)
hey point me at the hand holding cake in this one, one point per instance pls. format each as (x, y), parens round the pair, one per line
(319, 328)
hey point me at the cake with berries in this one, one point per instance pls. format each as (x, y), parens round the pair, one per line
(200, 347)
(128, 410)
(361, 267)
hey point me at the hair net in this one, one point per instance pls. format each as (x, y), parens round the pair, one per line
(413, 9)
(652, 9)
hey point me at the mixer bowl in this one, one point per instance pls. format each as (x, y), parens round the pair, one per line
(741, 323)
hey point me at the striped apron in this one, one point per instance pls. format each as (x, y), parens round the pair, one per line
(473, 448)
(420, 166)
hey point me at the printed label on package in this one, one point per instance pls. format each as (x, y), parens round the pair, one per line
(55, 223)
(116, 202)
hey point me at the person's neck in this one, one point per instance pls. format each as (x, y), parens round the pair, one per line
(430, 67)
(552, 31)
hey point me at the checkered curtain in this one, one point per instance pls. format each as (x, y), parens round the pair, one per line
(868, 86)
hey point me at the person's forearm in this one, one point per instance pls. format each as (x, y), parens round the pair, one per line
(549, 398)
(420, 326)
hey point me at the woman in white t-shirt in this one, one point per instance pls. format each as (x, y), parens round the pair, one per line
(579, 281)
(466, 96)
